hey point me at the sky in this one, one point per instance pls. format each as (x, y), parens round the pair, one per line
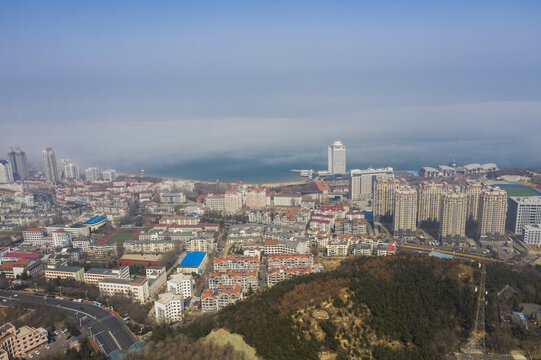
(245, 89)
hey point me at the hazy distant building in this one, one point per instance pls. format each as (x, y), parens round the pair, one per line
(50, 167)
(473, 192)
(92, 174)
(523, 210)
(453, 215)
(215, 202)
(361, 182)
(256, 198)
(429, 202)
(405, 211)
(68, 169)
(337, 158)
(109, 175)
(19, 165)
(6, 172)
(492, 213)
(232, 201)
(383, 203)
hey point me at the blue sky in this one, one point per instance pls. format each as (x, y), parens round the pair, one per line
(168, 85)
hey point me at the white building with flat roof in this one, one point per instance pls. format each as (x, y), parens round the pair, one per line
(169, 307)
(532, 234)
(181, 284)
(337, 158)
(523, 210)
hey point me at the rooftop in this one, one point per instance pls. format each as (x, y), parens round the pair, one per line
(193, 259)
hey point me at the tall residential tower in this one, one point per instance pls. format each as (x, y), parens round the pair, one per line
(19, 165)
(50, 167)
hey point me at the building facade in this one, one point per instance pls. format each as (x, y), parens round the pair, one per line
(361, 182)
(19, 165)
(50, 166)
(337, 158)
(523, 210)
(405, 212)
(429, 203)
(169, 307)
(492, 214)
(454, 208)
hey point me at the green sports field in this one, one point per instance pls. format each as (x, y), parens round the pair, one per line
(520, 191)
(122, 236)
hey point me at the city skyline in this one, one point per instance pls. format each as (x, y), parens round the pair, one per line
(169, 88)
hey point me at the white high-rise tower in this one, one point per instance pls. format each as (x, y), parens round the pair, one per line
(337, 158)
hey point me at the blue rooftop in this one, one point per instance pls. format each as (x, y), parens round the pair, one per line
(193, 259)
(441, 255)
(94, 220)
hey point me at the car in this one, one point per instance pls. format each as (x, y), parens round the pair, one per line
(55, 332)
(37, 352)
(48, 346)
(15, 295)
(30, 356)
(4, 300)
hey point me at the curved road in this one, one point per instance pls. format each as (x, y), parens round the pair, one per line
(108, 331)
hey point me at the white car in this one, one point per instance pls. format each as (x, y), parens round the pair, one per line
(37, 352)
(48, 346)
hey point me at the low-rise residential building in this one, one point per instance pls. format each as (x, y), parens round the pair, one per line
(157, 279)
(218, 298)
(276, 275)
(274, 247)
(246, 279)
(95, 275)
(20, 342)
(102, 250)
(181, 284)
(337, 248)
(236, 262)
(149, 247)
(385, 249)
(169, 307)
(363, 249)
(136, 289)
(202, 244)
(34, 236)
(65, 272)
(290, 261)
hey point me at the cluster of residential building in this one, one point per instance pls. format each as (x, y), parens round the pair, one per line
(18, 343)
(407, 207)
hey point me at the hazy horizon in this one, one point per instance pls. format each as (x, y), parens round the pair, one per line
(215, 90)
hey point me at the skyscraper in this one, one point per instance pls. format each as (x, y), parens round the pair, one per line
(473, 191)
(6, 172)
(69, 169)
(383, 203)
(17, 159)
(50, 167)
(405, 211)
(361, 182)
(492, 213)
(337, 158)
(109, 175)
(454, 207)
(429, 201)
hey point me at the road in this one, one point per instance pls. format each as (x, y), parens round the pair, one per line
(108, 331)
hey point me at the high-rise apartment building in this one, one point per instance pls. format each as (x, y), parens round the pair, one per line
(429, 201)
(523, 210)
(405, 211)
(92, 174)
(109, 175)
(383, 203)
(68, 169)
(361, 182)
(6, 172)
(17, 159)
(473, 192)
(50, 167)
(492, 213)
(256, 198)
(453, 214)
(337, 158)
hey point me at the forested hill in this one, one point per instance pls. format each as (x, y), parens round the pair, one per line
(402, 307)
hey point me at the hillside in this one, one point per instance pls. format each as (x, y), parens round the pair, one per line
(403, 307)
